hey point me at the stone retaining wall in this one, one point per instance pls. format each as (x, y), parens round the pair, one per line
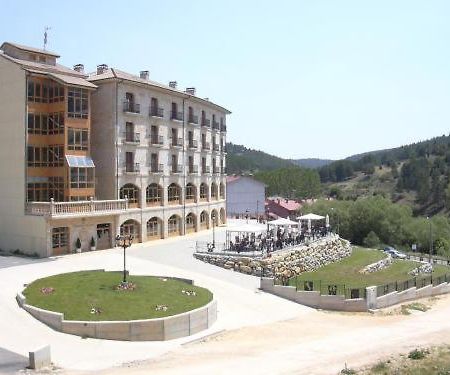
(160, 329)
(285, 264)
(339, 303)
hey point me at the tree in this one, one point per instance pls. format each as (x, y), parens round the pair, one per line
(371, 240)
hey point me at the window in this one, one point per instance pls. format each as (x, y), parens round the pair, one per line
(190, 222)
(222, 191)
(131, 192)
(79, 198)
(130, 228)
(153, 227)
(44, 91)
(174, 226)
(42, 189)
(81, 178)
(203, 218)
(51, 156)
(173, 193)
(77, 139)
(203, 191)
(190, 192)
(153, 194)
(214, 190)
(77, 103)
(60, 237)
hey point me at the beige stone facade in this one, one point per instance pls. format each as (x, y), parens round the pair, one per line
(149, 159)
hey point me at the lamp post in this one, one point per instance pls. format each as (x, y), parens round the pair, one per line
(431, 240)
(213, 217)
(246, 215)
(124, 241)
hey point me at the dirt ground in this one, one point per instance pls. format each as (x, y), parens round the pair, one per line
(321, 342)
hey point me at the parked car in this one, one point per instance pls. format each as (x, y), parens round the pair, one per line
(394, 252)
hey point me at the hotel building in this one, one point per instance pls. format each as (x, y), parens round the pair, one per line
(91, 156)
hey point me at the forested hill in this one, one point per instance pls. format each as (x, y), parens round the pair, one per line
(421, 168)
(241, 159)
(311, 162)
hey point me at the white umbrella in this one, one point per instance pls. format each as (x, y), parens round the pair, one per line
(311, 217)
(327, 221)
(282, 221)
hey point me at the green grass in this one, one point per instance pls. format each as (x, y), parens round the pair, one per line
(346, 272)
(75, 294)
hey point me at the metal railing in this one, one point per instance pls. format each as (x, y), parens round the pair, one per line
(192, 143)
(193, 169)
(206, 146)
(206, 122)
(223, 128)
(216, 147)
(131, 107)
(54, 209)
(215, 125)
(193, 119)
(156, 112)
(418, 282)
(174, 115)
(176, 168)
(156, 139)
(176, 142)
(132, 168)
(157, 168)
(132, 137)
(206, 169)
(422, 257)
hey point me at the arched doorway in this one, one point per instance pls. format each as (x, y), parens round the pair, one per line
(191, 223)
(203, 192)
(174, 226)
(174, 194)
(191, 193)
(154, 195)
(204, 220)
(154, 228)
(131, 227)
(214, 191)
(132, 193)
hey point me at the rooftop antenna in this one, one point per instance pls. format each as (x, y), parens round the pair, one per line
(46, 35)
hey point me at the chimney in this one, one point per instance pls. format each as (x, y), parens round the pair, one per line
(144, 74)
(190, 90)
(173, 84)
(102, 68)
(79, 68)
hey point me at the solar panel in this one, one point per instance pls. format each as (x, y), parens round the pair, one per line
(80, 161)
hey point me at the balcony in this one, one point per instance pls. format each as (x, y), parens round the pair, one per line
(215, 125)
(132, 168)
(131, 138)
(216, 171)
(176, 168)
(130, 107)
(216, 147)
(206, 146)
(193, 169)
(176, 142)
(92, 207)
(192, 144)
(156, 168)
(223, 170)
(156, 140)
(223, 128)
(156, 112)
(193, 120)
(206, 169)
(206, 122)
(176, 116)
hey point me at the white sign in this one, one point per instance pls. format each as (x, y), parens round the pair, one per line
(414, 247)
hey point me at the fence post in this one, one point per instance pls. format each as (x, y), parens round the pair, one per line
(296, 282)
(396, 286)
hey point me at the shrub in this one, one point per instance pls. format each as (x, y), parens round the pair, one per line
(78, 244)
(418, 354)
(371, 240)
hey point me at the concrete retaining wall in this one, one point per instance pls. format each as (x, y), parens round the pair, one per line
(160, 329)
(339, 303)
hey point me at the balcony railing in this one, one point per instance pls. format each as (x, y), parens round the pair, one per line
(176, 168)
(216, 147)
(215, 125)
(156, 112)
(156, 139)
(79, 208)
(193, 169)
(206, 169)
(216, 171)
(193, 119)
(192, 143)
(132, 168)
(131, 107)
(206, 122)
(177, 142)
(206, 146)
(177, 116)
(223, 128)
(157, 168)
(131, 137)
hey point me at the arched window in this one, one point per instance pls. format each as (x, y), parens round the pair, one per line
(190, 193)
(213, 190)
(203, 191)
(154, 194)
(174, 225)
(154, 229)
(204, 220)
(190, 223)
(131, 192)
(173, 192)
(130, 228)
(222, 190)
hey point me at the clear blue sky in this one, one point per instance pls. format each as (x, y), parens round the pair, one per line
(303, 78)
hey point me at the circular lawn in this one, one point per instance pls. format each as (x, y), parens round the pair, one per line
(98, 295)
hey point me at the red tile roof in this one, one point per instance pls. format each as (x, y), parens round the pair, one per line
(288, 204)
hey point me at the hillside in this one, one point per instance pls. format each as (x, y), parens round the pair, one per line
(241, 159)
(311, 163)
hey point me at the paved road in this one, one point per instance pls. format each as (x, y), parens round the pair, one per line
(11, 362)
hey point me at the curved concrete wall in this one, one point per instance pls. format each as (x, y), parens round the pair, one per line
(160, 329)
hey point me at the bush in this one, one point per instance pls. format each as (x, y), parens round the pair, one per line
(371, 240)
(78, 243)
(418, 354)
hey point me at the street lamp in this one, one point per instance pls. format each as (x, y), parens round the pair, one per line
(124, 241)
(213, 217)
(246, 215)
(431, 240)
